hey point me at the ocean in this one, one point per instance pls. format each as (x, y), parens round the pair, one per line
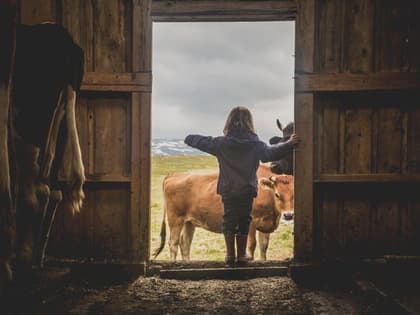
(167, 147)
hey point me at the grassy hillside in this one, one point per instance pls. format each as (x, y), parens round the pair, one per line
(205, 245)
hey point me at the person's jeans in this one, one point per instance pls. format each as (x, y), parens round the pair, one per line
(237, 214)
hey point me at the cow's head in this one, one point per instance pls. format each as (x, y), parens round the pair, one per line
(285, 165)
(282, 187)
(286, 133)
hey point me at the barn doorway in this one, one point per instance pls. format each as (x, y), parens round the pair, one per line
(200, 71)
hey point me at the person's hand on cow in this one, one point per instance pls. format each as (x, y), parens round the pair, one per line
(294, 140)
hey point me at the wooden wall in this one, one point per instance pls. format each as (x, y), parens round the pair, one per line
(366, 138)
(356, 109)
(113, 116)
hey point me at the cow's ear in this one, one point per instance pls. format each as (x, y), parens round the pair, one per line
(265, 183)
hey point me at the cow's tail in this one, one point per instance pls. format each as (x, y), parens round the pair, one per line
(163, 227)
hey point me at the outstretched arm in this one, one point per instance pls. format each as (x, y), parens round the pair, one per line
(203, 143)
(279, 150)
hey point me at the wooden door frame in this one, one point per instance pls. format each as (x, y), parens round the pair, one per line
(303, 13)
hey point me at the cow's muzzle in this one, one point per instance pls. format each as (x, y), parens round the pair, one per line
(288, 215)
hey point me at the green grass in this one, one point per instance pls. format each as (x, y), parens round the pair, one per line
(205, 245)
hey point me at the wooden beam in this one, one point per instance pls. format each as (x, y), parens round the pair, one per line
(367, 178)
(141, 135)
(223, 273)
(304, 125)
(118, 82)
(222, 10)
(107, 179)
(357, 82)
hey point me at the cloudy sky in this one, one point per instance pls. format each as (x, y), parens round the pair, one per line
(202, 70)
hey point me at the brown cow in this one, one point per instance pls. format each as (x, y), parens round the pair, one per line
(191, 201)
(40, 156)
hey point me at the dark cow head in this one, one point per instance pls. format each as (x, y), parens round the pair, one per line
(285, 165)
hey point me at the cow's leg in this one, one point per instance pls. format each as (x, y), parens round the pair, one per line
(187, 235)
(175, 227)
(44, 233)
(72, 169)
(263, 240)
(252, 242)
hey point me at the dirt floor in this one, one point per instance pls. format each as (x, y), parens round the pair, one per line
(59, 291)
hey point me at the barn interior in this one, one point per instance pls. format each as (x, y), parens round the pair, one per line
(356, 171)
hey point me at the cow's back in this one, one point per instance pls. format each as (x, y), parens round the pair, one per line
(193, 198)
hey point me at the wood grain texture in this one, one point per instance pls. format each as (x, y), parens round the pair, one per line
(329, 48)
(303, 229)
(38, 11)
(357, 82)
(111, 147)
(304, 125)
(358, 36)
(141, 135)
(227, 10)
(358, 140)
(398, 29)
(112, 36)
(77, 17)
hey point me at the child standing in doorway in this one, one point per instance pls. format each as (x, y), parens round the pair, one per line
(239, 152)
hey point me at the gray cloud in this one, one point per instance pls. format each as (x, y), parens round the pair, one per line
(202, 70)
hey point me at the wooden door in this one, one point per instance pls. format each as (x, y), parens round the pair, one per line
(364, 89)
(113, 116)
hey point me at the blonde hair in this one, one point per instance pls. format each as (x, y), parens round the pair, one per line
(239, 117)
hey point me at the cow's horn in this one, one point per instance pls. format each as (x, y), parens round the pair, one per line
(272, 179)
(279, 124)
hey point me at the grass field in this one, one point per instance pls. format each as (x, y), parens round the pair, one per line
(205, 245)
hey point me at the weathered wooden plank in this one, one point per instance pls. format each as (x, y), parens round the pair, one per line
(112, 38)
(111, 146)
(227, 10)
(358, 48)
(115, 88)
(396, 37)
(110, 237)
(304, 125)
(223, 273)
(38, 11)
(129, 78)
(328, 224)
(303, 229)
(329, 135)
(106, 178)
(367, 178)
(117, 82)
(145, 172)
(385, 224)
(389, 150)
(358, 140)
(413, 140)
(141, 135)
(356, 82)
(305, 36)
(77, 17)
(355, 227)
(330, 36)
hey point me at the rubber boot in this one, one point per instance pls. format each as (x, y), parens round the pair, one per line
(230, 249)
(241, 241)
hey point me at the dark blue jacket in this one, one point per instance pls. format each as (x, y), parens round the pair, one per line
(239, 154)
